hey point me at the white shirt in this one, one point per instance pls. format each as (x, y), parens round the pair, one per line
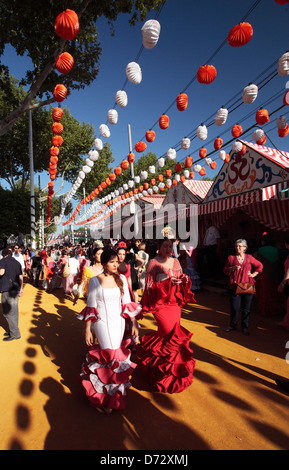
(73, 263)
(211, 236)
(20, 259)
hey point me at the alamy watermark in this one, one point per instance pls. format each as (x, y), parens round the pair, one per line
(172, 221)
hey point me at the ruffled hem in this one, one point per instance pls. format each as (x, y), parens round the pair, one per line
(105, 376)
(131, 310)
(89, 314)
(167, 361)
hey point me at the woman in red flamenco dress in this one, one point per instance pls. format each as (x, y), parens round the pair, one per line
(106, 371)
(164, 356)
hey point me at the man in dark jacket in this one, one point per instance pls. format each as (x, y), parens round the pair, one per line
(11, 286)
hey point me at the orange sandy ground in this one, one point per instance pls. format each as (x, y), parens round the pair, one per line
(233, 402)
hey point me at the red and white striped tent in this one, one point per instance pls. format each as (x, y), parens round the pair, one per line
(253, 183)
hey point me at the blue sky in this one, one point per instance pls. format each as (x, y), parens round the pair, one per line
(191, 32)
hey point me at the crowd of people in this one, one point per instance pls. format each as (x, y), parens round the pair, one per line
(120, 281)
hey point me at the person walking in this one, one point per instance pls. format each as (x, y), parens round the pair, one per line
(239, 268)
(11, 287)
(165, 357)
(106, 371)
(19, 257)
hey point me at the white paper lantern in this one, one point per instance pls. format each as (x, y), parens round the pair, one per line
(120, 190)
(130, 184)
(112, 116)
(104, 131)
(125, 187)
(257, 134)
(152, 169)
(197, 168)
(143, 175)
(98, 144)
(237, 147)
(281, 122)
(93, 155)
(202, 132)
(86, 169)
(81, 175)
(283, 65)
(208, 161)
(133, 73)
(222, 154)
(250, 93)
(137, 179)
(186, 174)
(150, 33)
(144, 193)
(177, 177)
(89, 162)
(186, 142)
(171, 154)
(161, 185)
(121, 98)
(221, 116)
(150, 191)
(155, 189)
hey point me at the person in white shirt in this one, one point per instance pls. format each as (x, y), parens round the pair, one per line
(19, 257)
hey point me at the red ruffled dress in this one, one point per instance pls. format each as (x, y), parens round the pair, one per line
(106, 370)
(165, 356)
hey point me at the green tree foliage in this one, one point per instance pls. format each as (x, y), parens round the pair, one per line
(29, 28)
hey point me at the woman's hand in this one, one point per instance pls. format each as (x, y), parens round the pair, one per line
(134, 330)
(89, 338)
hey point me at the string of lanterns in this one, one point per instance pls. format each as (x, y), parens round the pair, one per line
(238, 36)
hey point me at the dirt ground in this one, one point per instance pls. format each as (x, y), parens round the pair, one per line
(233, 403)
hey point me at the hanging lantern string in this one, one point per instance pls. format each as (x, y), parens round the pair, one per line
(190, 134)
(219, 48)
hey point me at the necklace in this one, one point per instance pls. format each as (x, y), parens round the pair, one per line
(241, 258)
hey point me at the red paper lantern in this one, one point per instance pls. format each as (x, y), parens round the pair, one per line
(103, 185)
(236, 130)
(202, 171)
(64, 62)
(174, 183)
(153, 181)
(59, 93)
(124, 164)
(150, 135)
(178, 167)
(203, 152)
(192, 175)
(168, 173)
(160, 178)
(54, 151)
(218, 143)
(140, 188)
(213, 165)
(286, 97)
(57, 141)
(146, 186)
(117, 171)
(283, 132)
(206, 74)
(262, 116)
(164, 121)
(140, 146)
(57, 114)
(53, 160)
(188, 162)
(57, 128)
(183, 178)
(67, 25)
(131, 157)
(112, 177)
(240, 34)
(227, 158)
(182, 101)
